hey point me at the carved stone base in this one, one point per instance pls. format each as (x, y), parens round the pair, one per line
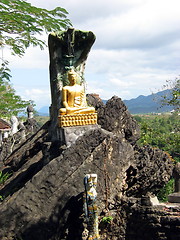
(174, 197)
(77, 120)
(68, 135)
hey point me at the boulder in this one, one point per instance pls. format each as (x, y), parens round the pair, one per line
(115, 117)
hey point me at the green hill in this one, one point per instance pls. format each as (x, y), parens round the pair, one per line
(148, 104)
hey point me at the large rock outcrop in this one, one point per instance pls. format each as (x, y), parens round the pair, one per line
(43, 197)
(115, 117)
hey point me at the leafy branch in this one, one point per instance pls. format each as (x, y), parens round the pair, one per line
(10, 103)
(173, 97)
(21, 25)
(20, 22)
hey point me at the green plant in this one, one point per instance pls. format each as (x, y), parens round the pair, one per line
(162, 131)
(4, 177)
(107, 220)
(166, 190)
(1, 198)
(173, 97)
(21, 24)
(10, 102)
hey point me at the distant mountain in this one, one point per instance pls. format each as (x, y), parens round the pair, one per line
(148, 104)
(141, 104)
(44, 111)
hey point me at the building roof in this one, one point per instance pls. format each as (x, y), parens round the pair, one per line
(4, 125)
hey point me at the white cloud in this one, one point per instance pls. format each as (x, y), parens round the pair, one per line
(91, 89)
(121, 83)
(41, 97)
(34, 58)
(80, 9)
(149, 25)
(137, 47)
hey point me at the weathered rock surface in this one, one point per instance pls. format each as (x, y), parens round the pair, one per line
(134, 221)
(44, 194)
(31, 126)
(114, 117)
(150, 173)
(13, 142)
(44, 198)
(160, 222)
(25, 162)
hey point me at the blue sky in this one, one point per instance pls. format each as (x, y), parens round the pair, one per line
(137, 48)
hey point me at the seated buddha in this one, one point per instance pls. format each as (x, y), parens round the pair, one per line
(73, 97)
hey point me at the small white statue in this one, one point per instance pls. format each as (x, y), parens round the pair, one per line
(5, 135)
(30, 112)
(14, 123)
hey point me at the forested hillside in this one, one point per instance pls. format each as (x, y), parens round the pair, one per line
(162, 131)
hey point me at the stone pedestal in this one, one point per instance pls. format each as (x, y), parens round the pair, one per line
(68, 135)
(174, 197)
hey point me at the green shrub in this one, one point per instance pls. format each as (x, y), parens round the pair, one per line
(107, 220)
(165, 191)
(162, 131)
(4, 177)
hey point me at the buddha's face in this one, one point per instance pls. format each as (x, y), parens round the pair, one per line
(72, 79)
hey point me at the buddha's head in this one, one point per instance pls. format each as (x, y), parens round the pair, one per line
(72, 77)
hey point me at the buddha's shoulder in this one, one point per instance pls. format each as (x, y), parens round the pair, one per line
(67, 87)
(78, 87)
(75, 87)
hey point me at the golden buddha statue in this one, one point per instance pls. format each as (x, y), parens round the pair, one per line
(75, 111)
(73, 97)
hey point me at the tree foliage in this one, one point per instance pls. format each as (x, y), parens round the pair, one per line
(10, 103)
(173, 97)
(21, 22)
(21, 25)
(161, 131)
